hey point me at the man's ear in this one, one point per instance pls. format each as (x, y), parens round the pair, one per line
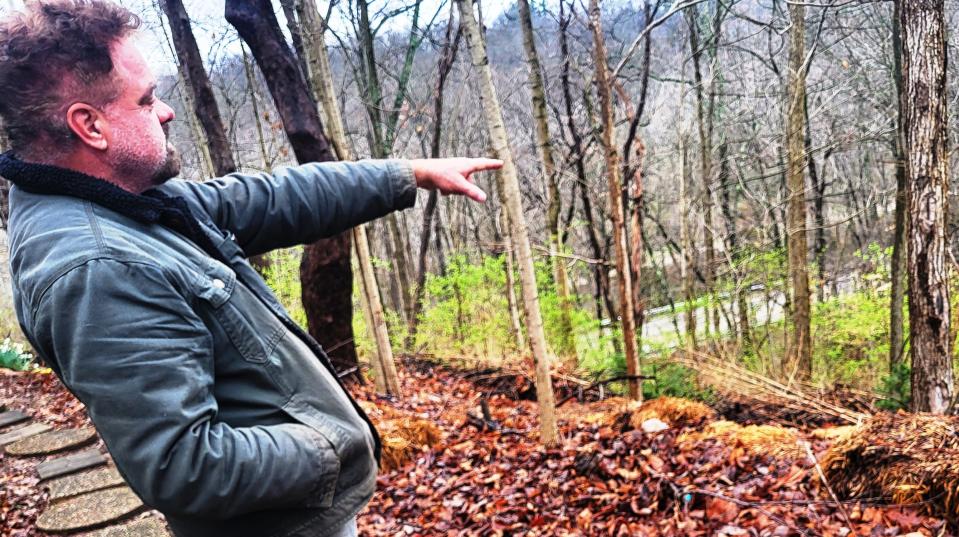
(88, 124)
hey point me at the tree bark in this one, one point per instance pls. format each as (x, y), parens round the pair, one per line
(549, 435)
(799, 349)
(898, 267)
(204, 101)
(325, 272)
(924, 101)
(566, 345)
(623, 275)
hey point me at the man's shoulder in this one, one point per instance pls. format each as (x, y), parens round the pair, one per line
(51, 235)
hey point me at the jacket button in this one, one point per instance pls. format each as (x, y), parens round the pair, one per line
(218, 283)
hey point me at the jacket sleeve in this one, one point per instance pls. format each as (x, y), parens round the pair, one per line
(137, 355)
(301, 204)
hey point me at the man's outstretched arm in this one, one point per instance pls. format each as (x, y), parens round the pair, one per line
(301, 204)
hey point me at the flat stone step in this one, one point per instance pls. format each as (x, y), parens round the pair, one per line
(52, 442)
(12, 417)
(145, 527)
(88, 511)
(83, 482)
(70, 464)
(23, 432)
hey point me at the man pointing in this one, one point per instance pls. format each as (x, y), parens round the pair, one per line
(218, 410)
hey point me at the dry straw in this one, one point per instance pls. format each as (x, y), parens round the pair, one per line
(753, 440)
(910, 459)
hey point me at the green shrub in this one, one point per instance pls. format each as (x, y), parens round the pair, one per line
(15, 356)
(896, 388)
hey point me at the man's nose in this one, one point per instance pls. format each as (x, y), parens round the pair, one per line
(164, 112)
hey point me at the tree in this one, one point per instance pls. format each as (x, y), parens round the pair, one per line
(511, 200)
(566, 345)
(325, 273)
(304, 16)
(799, 350)
(925, 118)
(897, 263)
(448, 54)
(204, 101)
(623, 275)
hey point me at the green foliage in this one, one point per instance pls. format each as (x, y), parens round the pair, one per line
(283, 276)
(851, 332)
(467, 309)
(15, 356)
(896, 388)
(851, 339)
(674, 380)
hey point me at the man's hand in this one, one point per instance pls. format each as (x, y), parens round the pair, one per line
(452, 175)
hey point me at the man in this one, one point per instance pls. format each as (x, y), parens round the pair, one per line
(217, 409)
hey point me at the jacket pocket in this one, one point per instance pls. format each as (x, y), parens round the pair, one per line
(235, 310)
(328, 459)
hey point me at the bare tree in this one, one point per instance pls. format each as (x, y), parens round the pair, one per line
(204, 101)
(566, 345)
(510, 194)
(799, 351)
(924, 97)
(623, 275)
(325, 273)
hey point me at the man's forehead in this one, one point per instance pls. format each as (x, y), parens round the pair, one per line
(129, 61)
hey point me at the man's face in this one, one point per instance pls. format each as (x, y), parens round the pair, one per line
(138, 149)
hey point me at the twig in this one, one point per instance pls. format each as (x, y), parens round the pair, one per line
(603, 383)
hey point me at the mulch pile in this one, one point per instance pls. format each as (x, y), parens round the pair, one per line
(609, 478)
(911, 458)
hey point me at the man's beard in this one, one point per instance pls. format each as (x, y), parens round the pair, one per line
(170, 167)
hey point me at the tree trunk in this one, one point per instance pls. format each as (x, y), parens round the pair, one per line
(898, 265)
(325, 273)
(204, 101)
(387, 379)
(799, 349)
(600, 275)
(818, 182)
(924, 102)
(566, 347)
(686, 242)
(320, 79)
(704, 120)
(623, 275)
(511, 199)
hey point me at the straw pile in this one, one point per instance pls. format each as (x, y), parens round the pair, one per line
(753, 440)
(403, 435)
(906, 458)
(672, 410)
(605, 412)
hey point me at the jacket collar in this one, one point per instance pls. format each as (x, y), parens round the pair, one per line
(151, 207)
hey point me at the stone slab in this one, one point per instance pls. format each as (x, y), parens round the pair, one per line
(52, 442)
(90, 510)
(70, 464)
(23, 432)
(12, 417)
(145, 527)
(83, 482)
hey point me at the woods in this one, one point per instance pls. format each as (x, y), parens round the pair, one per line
(745, 204)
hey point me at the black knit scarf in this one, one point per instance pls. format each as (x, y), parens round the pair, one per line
(151, 207)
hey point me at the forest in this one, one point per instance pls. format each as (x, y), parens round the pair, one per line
(712, 291)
